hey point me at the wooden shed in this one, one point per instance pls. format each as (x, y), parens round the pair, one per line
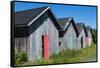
(81, 39)
(89, 39)
(36, 32)
(68, 34)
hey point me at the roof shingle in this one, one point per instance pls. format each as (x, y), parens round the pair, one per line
(79, 26)
(88, 28)
(63, 22)
(24, 17)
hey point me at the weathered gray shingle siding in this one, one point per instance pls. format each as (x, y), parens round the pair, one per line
(82, 34)
(89, 34)
(46, 24)
(34, 41)
(21, 44)
(65, 40)
(89, 37)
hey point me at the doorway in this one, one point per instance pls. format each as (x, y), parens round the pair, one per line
(81, 42)
(45, 47)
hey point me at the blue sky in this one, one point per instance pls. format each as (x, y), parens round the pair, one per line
(84, 14)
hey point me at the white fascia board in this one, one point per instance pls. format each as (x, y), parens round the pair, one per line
(38, 16)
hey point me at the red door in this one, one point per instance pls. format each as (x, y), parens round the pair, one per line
(45, 47)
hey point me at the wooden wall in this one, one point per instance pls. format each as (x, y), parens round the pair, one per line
(89, 38)
(34, 41)
(82, 34)
(21, 44)
(69, 39)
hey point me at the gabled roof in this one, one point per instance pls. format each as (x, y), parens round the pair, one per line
(64, 22)
(88, 28)
(80, 26)
(26, 16)
(27, 21)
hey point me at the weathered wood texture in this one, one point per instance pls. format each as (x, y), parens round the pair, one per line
(89, 39)
(69, 39)
(21, 44)
(33, 43)
(81, 43)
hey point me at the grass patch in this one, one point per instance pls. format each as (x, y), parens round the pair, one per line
(68, 56)
(71, 56)
(20, 58)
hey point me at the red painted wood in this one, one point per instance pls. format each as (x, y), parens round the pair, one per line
(46, 47)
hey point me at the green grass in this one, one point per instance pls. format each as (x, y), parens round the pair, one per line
(69, 56)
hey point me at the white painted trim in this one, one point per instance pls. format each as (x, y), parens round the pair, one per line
(38, 16)
(69, 19)
(66, 25)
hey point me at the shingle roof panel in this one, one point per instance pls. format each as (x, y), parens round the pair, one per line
(63, 22)
(24, 17)
(79, 26)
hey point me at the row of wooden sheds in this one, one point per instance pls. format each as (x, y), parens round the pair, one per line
(40, 34)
